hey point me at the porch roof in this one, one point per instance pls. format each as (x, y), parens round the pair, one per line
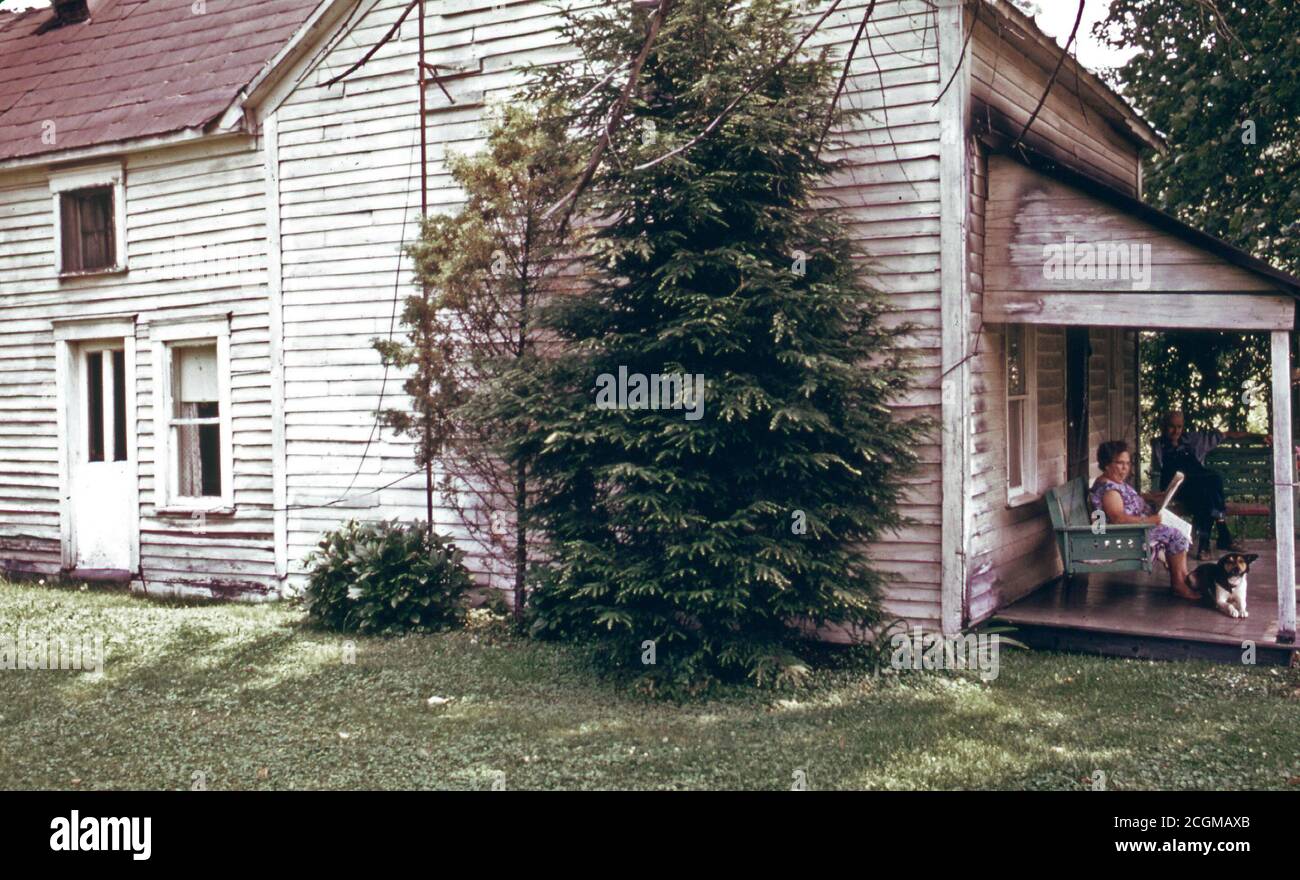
(1061, 248)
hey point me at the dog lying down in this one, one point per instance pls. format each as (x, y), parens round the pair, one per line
(1222, 584)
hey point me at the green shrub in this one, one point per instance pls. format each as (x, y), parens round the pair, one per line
(386, 577)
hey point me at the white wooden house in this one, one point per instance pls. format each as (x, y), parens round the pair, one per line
(193, 264)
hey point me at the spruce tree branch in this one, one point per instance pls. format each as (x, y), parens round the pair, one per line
(598, 86)
(748, 90)
(1074, 31)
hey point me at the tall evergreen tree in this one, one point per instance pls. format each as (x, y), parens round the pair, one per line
(697, 550)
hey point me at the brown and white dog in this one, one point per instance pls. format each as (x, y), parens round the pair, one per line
(1222, 584)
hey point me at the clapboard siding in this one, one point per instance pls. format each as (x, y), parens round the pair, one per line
(348, 198)
(202, 201)
(1013, 547)
(1006, 86)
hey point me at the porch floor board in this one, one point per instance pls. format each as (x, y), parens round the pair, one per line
(1134, 614)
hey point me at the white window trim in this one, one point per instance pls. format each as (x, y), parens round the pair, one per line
(104, 174)
(1028, 489)
(166, 336)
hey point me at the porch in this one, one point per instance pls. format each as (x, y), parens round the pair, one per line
(1188, 281)
(1134, 614)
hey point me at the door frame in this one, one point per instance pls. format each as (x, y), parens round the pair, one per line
(68, 334)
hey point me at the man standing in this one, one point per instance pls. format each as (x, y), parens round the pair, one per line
(1178, 449)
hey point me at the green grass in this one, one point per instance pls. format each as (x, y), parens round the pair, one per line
(252, 699)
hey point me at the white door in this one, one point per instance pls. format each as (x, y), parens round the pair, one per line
(100, 457)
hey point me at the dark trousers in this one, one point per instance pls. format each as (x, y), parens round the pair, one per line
(1202, 495)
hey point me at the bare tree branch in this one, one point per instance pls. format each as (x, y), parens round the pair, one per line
(844, 75)
(884, 104)
(1074, 31)
(613, 120)
(375, 48)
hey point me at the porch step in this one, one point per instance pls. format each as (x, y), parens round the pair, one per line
(1047, 637)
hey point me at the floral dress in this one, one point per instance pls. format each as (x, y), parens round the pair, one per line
(1161, 538)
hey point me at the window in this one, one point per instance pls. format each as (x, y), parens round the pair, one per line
(90, 219)
(192, 372)
(1022, 413)
(196, 421)
(87, 229)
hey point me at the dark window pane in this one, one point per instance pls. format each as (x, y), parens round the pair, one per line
(119, 406)
(210, 455)
(70, 233)
(95, 405)
(88, 234)
(97, 229)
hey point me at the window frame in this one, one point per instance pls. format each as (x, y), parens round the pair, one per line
(1028, 488)
(106, 175)
(166, 337)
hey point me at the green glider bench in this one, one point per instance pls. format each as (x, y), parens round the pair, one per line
(1083, 550)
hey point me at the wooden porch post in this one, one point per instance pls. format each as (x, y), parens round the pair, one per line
(1283, 486)
(955, 309)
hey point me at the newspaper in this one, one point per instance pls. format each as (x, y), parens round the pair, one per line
(1174, 486)
(1176, 522)
(1168, 517)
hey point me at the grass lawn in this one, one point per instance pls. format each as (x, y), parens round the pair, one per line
(249, 697)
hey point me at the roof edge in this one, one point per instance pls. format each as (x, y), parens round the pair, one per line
(320, 23)
(116, 148)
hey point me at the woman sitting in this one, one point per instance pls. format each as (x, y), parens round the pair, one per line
(1122, 505)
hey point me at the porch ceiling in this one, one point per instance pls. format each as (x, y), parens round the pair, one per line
(1060, 250)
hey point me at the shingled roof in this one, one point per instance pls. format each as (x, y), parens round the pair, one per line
(137, 68)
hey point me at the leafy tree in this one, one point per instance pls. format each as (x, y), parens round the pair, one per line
(481, 274)
(1217, 379)
(693, 550)
(1221, 80)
